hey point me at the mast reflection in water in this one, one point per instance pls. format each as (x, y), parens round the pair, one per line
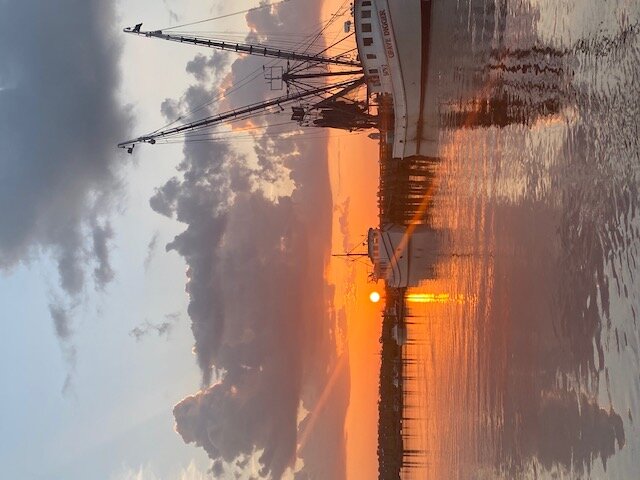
(522, 359)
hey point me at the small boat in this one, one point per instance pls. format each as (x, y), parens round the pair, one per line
(403, 256)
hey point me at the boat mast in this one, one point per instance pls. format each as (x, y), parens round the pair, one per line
(247, 48)
(332, 112)
(221, 117)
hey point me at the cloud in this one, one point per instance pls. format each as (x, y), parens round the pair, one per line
(259, 306)
(173, 15)
(151, 250)
(103, 273)
(162, 328)
(146, 472)
(259, 338)
(62, 316)
(164, 200)
(198, 201)
(217, 469)
(59, 123)
(344, 210)
(203, 68)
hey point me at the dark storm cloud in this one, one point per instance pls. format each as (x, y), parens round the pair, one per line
(258, 303)
(59, 121)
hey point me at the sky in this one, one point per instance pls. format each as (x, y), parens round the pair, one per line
(177, 288)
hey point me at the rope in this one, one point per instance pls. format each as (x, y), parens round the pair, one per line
(309, 40)
(269, 5)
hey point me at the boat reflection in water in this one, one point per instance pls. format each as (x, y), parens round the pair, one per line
(521, 355)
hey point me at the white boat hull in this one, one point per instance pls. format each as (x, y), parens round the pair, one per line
(409, 44)
(414, 134)
(402, 256)
(403, 44)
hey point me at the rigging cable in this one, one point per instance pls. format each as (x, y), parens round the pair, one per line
(259, 7)
(251, 77)
(339, 13)
(333, 18)
(309, 40)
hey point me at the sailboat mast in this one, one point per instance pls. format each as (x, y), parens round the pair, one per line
(259, 50)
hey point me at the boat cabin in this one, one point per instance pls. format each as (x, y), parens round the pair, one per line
(402, 257)
(373, 38)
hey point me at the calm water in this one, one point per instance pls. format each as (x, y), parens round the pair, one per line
(528, 360)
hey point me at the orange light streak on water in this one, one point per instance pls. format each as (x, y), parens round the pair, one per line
(443, 394)
(434, 298)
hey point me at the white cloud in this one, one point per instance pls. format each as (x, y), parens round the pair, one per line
(145, 472)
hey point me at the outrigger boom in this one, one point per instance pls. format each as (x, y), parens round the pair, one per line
(247, 48)
(219, 118)
(335, 110)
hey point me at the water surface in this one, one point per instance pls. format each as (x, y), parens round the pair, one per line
(528, 359)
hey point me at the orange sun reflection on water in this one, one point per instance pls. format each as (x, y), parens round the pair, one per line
(434, 298)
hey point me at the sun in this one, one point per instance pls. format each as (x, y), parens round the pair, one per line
(374, 297)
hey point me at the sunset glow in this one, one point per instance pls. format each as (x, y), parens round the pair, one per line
(353, 166)
(354, 172)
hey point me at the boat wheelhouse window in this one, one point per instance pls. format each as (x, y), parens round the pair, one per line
(373, 71)
(365, 14)
(371, 56)
(366, 27)
(366, 3)
(368, 41)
